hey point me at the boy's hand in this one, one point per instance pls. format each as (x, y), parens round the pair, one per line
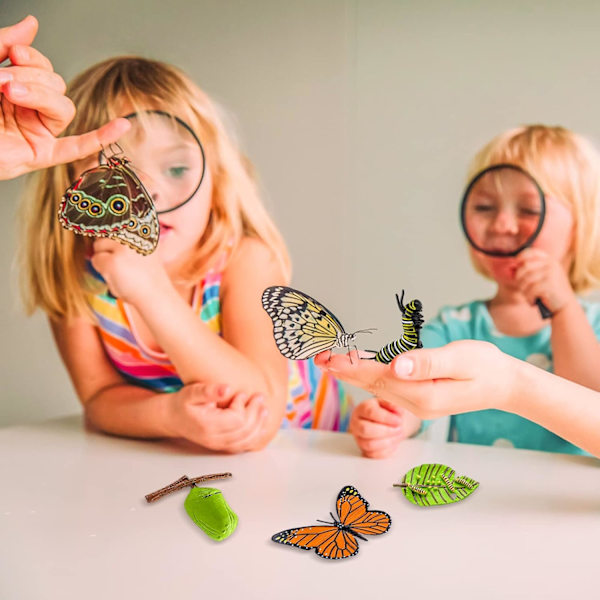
(213, 417)
(538, 275)
(378, 426)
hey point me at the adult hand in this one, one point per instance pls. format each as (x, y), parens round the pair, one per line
(460, 377)
(34, 109)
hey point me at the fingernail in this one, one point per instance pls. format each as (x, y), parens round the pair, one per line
(403, 367)
(5, 77)
(18, 89)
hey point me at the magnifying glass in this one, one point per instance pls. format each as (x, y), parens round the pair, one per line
(502, 213)
(167, 156)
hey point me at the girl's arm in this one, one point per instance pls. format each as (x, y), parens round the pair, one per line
(575, 349)
(246, 357)
(110, 403)
(470, 375)
(208, 415)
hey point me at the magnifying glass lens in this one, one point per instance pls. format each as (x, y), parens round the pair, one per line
(503, 210)
(167, 157)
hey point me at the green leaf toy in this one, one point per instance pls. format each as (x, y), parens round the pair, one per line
(432, 484)
(207, 507)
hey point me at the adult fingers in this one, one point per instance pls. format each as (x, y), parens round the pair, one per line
(20, 33)
(25, 75)
(76, 147)
(56, 110)
(456, 360)
(26, 56)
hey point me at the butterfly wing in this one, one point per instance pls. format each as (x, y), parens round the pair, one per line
(111, 201)
(96, 204)
(302, 326)
(353, 512)
(327, 540)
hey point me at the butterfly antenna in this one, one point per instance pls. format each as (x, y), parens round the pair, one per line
(370, 330)
(325, 522)
(119, 148)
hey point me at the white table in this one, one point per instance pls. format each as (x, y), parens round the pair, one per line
(74, 522)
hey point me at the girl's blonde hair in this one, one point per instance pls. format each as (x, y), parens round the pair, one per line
(53, 259)
(567, 167)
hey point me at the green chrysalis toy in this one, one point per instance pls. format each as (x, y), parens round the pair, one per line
(434, 484)
(207, 507)
(209, 510)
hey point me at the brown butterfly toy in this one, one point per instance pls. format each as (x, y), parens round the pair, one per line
(110, 201)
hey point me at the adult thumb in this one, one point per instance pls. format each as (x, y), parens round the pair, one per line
(456, 360)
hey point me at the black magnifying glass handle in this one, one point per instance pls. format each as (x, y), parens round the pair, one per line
(544, 310)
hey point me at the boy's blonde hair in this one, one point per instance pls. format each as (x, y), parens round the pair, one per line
(567, 167)
(53, 259)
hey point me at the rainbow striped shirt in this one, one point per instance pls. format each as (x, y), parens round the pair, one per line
(315, 399)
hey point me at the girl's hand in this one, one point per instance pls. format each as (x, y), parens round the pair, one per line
(34, 109)
(129, 276)
(461, 377)
(378, 426)
(539, 275)
(211, 416)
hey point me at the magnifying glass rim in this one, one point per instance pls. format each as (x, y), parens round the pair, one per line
(473, 181)
(193, 134)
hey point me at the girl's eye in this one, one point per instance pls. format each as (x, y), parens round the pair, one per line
(530, 212)
(177, 172)
(482, 208)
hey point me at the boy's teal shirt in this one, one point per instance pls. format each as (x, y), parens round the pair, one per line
(494, 427)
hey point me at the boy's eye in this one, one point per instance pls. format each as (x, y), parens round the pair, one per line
(483, 208)
(177, 172)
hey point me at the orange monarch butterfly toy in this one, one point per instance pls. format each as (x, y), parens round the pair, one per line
(338, 539)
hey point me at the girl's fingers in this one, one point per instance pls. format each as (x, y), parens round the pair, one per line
(26, 56)
(368, 430)
(249, 434)
(371, 410)
(380, 448)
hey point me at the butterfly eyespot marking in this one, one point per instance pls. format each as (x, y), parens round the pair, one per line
(133, 223)
(75, 198)
(96, 209)
(145, 231)
(84, 204)
(118, 205)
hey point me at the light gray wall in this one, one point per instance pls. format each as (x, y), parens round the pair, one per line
(360, 117)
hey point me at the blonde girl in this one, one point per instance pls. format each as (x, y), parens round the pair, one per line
(563, 262)
(175, 344)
